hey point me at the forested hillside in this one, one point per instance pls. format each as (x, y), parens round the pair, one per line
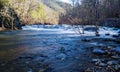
(17, 12)
(38, 11)
(92, 11)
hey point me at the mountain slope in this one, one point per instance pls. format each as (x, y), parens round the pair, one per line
(40, 11)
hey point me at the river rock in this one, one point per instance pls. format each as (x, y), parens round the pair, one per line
(109, 47)
(90, 29)
(117, 67)
(117, 49)
(105, 60)
(95, 60)
(119, 32)
(26, 57)
(3, 64)
(86, 40)
(102, 64)
(30, 70)
(99, 52)
(115, 57)
(107, 34)
(116, 36)
(61, 56)
(88, 70)
(112, 62)
(98, 62)
(97, 34)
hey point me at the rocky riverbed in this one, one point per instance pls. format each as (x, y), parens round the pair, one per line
(59, 49)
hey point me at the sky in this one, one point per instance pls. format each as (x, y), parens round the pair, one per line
(67, 1)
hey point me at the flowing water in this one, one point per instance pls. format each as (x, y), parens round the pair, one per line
(40, 48)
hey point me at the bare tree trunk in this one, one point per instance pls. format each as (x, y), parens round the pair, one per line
(97, 29)
(83, 25)
(97, 17)
(3, 23)
(83, 29)
(12, 24)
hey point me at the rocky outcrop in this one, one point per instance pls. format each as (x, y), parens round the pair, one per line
(9, 19)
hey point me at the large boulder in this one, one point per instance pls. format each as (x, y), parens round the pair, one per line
(99, 52)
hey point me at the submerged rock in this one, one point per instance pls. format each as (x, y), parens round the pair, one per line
(99, 52)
